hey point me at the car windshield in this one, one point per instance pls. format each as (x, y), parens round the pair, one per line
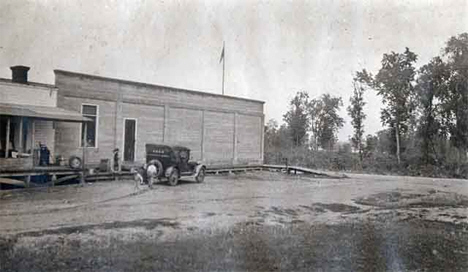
(176, 155)
(183, 155)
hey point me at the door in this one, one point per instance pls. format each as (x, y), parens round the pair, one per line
(129, 140)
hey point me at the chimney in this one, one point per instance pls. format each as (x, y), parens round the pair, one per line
(19, 74)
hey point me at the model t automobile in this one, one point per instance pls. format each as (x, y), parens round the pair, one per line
(171, 162)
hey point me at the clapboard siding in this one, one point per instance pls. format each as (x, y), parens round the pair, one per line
(68, 135)
(109, 89)
(185, 128)
(25, 94)
(218, 129)
(219, 137)
(44, 133)
(248, 138)
(150, 125)
(31, 94)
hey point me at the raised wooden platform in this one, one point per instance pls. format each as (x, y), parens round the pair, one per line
(15, 163)
(39, 170)
(60, 174)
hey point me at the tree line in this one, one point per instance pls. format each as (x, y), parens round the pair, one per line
(425, 115)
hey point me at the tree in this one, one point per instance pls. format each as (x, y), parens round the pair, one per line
(315, 112)
(431, 85)
(394, 83)
(271, 135)
(325, 120)
(297, 118)
(372, 142)
(277, 141)
(455, 100)
(356, 111)
(386, 141)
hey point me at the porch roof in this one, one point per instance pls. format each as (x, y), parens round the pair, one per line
(42, 112)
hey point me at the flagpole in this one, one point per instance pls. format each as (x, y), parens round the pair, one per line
(224, 61)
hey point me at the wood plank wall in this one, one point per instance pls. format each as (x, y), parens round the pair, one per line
(218, 129)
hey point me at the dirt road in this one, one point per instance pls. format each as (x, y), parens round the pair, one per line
(256, 221)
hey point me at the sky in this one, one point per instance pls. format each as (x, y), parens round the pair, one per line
(273, 49)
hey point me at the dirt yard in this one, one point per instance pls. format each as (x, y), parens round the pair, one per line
(258, 221)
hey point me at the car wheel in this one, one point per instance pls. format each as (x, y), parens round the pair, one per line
(201, 175)
(174, 177)
(74, 162)
(159, 167)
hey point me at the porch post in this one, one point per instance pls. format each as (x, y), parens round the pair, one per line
(20, 142)
(7, 144)
(33, 134)
(33, 140)
(85, 130)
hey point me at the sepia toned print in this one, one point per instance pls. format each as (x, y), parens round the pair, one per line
(233, 135)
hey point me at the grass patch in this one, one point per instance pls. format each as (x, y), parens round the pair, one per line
(396, 200)
(369, 246)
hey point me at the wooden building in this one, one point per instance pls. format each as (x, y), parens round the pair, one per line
(220, 130)
(28, 115)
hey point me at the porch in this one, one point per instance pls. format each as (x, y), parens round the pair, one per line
(22, 154)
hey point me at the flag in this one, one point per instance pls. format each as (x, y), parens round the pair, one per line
(222, 55)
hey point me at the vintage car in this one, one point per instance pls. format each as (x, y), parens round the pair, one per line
(171, 163)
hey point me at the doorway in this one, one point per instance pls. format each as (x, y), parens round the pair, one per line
(129, 139)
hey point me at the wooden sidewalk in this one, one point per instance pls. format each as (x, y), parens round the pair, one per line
(59, 175)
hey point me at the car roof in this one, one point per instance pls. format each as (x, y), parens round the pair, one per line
(173, 147)
(179, 147)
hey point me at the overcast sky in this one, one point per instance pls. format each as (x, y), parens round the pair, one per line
(273, 49)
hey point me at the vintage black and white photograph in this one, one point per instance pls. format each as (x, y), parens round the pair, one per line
(233, 135)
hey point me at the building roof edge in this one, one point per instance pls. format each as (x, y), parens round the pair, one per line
(58, 71)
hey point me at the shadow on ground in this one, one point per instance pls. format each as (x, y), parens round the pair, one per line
(431, 199)
(368, 246)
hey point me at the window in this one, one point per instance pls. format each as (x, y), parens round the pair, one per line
(91, 112)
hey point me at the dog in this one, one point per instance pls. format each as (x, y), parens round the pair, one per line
(138, 178)
(150, 171)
